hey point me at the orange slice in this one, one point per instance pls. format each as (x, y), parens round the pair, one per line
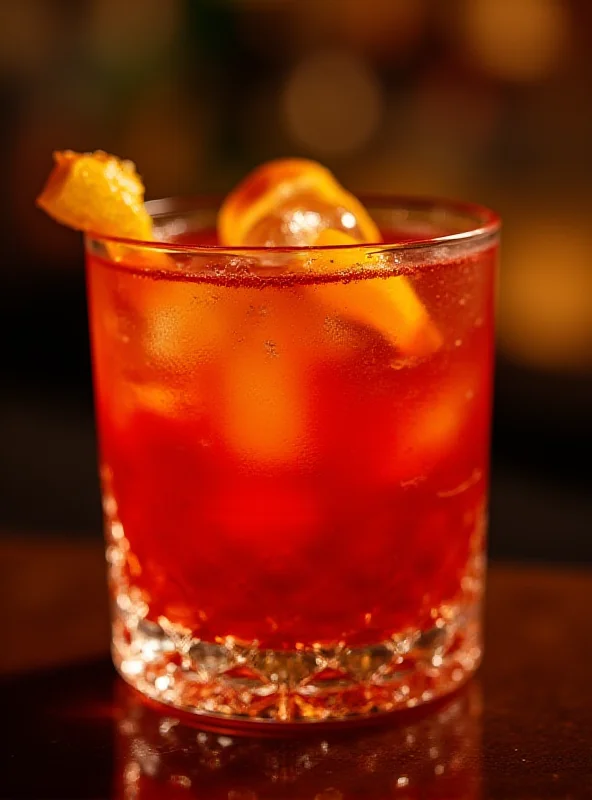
(97, 192)
(389, 304)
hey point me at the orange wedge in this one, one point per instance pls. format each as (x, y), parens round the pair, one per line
(296, 202)
(97, 192)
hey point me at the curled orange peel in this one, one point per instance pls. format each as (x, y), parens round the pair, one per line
(264, 208)
(279, 184)
(389, 304)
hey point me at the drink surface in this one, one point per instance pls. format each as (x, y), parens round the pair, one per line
(282, 473)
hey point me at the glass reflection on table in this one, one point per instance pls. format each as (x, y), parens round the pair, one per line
(433, 753)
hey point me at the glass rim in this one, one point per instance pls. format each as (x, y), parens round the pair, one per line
(487, 223)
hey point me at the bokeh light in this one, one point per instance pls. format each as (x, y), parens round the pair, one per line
(545, 305)
(516, 40)
(332, 103)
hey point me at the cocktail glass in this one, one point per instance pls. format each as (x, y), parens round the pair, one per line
(294, 452)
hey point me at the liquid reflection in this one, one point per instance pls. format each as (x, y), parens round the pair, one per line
(433, 753)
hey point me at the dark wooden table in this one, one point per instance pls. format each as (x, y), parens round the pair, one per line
(71, 729)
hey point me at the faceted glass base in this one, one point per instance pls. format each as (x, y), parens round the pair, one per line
(235, 683)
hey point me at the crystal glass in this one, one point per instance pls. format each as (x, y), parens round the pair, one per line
(294, 455)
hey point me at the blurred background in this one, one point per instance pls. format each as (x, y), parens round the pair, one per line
(484, 100)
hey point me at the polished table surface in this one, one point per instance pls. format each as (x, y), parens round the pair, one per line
(71, 729)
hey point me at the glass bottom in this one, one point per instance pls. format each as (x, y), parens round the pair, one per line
(237, 684)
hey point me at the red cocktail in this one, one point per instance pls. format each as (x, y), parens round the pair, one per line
(295, 471)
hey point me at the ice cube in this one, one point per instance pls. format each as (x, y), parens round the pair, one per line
(299, 221)
(426, 432)
(264, 403)
(289, 202)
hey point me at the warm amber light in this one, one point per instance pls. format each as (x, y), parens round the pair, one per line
(332, 103)
(518, 40)
(545, 307)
